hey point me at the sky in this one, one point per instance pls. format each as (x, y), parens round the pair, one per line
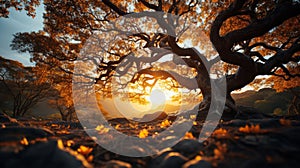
(18, 21)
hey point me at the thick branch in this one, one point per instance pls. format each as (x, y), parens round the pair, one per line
(281, 13)
(160, 74)
(282, 57)
(114, 7)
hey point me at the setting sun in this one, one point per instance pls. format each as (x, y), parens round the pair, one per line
(157, 97)
(161, 94)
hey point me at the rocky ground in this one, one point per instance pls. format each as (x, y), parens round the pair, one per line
(250, 140)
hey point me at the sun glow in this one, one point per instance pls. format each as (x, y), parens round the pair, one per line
(140, 100)
(157, 97)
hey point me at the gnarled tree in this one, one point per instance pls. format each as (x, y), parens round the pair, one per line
(251, 38)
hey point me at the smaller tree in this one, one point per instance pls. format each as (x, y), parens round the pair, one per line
(63, 101)
(61, 80)
(25, 85)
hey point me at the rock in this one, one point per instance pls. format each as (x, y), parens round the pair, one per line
(228, 114)
(45, 155)
(188, 147)
(119, 121)
(265, 123)
(65, 124)
(117, 164)
(197, 164)
(234, 123)
(172, 159)
(250, 140)
(159, 159)
(249, 113)
(257, 161)
(15, 133)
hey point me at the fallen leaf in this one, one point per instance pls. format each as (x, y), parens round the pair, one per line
(198, 157)
(102, 129)
(90, 158)
(220, 132)
(251, 129)
(189, 135)
(60, 144)
(24, 141)
(84, 150)
(143, 133)
(70, 143)
(165, 123)
(285, 122)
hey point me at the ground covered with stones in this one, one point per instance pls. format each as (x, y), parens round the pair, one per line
(248, 140)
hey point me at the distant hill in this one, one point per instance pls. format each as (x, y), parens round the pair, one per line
(160, 115)
(266, 100)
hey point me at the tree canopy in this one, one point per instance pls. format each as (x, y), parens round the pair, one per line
(250, 38)
(28, 6)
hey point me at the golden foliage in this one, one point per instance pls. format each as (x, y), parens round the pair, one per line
(250, 129)
(220, 150)
(24, 141)
(285, 122)
(220, 132)
(84, 150)
(70, 143)
(60, 144)
(77, 154)
(28, 6)
(280, 84)
(143, 133)
(165, 123)
(198, 157)
(189, 135)
(102, 129)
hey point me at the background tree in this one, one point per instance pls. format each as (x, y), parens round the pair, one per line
(252, 38)
(63, 101)
(24, 85)
(61, 83)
